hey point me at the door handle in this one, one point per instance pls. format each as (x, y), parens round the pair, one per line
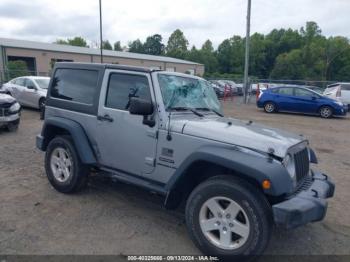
(105, 118)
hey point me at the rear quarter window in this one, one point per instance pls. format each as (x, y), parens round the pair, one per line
(76, 85)
(345, 87)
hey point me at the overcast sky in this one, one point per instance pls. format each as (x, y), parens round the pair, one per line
(125, 20)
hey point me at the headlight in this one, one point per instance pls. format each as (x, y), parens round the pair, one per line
(289, 164)
(339, 103)
(15, 107)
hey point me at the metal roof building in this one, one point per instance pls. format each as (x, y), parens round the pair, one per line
(40, 57)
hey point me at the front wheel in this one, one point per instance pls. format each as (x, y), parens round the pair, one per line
(326, 112)
(228, 218)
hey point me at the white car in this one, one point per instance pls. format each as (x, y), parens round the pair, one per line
(340, 92)
(28, 90)
(9, 112)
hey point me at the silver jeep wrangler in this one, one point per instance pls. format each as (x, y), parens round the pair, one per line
(166, 132)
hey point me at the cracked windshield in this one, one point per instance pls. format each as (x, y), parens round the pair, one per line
(188, 93)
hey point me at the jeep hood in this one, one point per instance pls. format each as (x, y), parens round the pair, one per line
(241, 133)
(4, 99)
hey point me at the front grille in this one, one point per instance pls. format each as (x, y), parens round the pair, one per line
(5, 109)
(302, 164)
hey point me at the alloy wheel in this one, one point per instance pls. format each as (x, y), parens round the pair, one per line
(269, 107)
(326, 112)
(61, 164)
(224, 223)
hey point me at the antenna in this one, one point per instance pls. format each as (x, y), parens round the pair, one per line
(101, 43)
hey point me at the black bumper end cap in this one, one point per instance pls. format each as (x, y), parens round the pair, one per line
(299, 211)
(40, 142)
(307, 206)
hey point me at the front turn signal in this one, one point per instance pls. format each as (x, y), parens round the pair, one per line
(266, 184)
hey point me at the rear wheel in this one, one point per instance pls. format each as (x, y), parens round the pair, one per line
(65, 171)
(229, 218)
(326, 112)
(42, 103)
(270, 107)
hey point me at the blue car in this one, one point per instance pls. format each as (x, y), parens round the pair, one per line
(300, 100)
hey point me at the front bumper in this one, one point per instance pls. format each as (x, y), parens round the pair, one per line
(306, 206)
(4, 120)
(40, 142)
(341, 111)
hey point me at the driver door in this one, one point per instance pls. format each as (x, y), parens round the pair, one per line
(306, 100)
(124, 142)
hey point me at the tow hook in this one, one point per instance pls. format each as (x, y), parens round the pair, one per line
(316, 193)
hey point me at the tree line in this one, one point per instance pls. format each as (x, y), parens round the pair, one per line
(281, 54)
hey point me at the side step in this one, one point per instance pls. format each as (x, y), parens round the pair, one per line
(134, 180)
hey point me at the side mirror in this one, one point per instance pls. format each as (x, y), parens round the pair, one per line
(143, 108)
(140, 107)
(31, 87)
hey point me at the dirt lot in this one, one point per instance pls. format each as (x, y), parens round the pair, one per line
(113, 218)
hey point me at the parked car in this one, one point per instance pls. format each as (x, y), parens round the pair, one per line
(240, 89)
(340, 92)
(301, 100)
(224, 87)
(165, 132)
(9, 112)
(218, 90)
(28, 90)
(232, 85)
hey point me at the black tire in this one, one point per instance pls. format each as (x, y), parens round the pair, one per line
(78, 171)
(326, 112)
(252, 201)
(12, 127)
(270, 107)
(42, 103)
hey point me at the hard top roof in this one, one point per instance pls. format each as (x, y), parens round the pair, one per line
(78, 65)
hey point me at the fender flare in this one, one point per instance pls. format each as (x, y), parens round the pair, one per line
(249, 163)
(77, 132)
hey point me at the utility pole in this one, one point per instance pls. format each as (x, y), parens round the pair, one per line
(101, 42)
(246, 64)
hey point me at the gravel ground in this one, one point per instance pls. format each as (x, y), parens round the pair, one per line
(114, 218)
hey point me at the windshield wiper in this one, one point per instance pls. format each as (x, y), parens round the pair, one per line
(183, 108)
(209, 109)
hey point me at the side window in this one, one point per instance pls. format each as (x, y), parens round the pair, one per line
(121, 87)
(20, 81)
(29, 82)
(286, 91)
(345, 87)
(303, 92)
(77, 85)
